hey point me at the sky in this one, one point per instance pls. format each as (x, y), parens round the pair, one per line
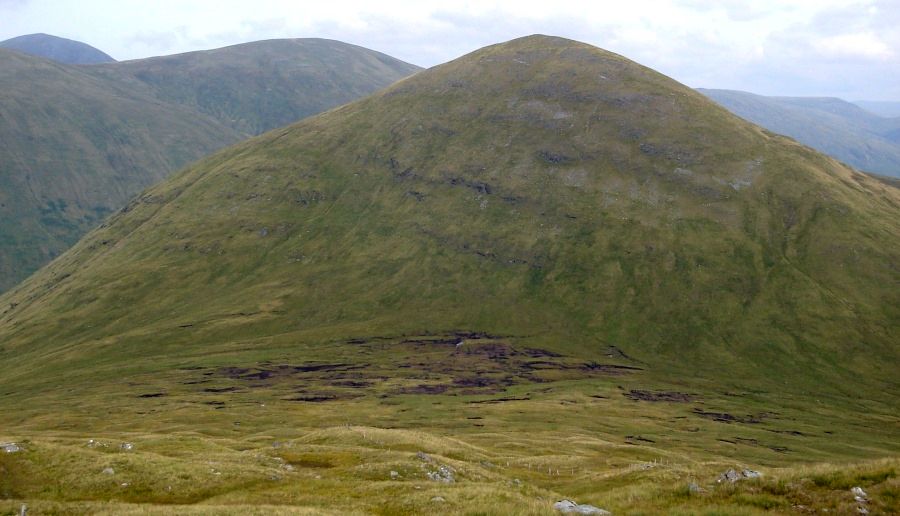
(848, 49)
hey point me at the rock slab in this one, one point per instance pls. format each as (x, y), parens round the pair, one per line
(733, 476)
(570, 507)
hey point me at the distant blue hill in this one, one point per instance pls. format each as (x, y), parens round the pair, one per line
(58, 49)
(843, 130)
(880, 107)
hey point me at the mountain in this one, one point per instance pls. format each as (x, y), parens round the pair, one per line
(58, 49)
(881, 108)
(537, 271)
(79, 142)
(833, 126)
(75, 149)
(258, 86)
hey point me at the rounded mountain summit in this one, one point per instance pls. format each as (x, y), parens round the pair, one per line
(58, 49)
(540, 189)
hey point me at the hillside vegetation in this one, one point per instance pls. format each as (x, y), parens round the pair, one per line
(262, 85)
(80, 141)
(554, 272)
(75, 149)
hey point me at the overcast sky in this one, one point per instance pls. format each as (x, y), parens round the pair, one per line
(848, 49)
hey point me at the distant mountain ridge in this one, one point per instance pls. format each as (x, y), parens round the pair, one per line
(58, 49)
(258, 86)
(75, 149)
(836, 127)
(881, 108)
(79, 141)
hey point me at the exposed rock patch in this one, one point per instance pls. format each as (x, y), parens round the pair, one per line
(570, 507)
(733, 476)
(443, 474)
(861, 500)
(435, 471)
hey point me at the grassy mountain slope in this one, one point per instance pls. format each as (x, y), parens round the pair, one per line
(262, 85)
(558, 272)
(78, 142)
(58, 49)
(75, 149)
(833, 126)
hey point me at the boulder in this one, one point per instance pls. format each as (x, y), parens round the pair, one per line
(570, 507)
(749, 473)
(729, 476)
(443, 474)
(733, 476)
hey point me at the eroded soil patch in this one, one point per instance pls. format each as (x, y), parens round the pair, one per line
(656, 396)
(458, 362)
(725, 417)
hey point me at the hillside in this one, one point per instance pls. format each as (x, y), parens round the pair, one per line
(75, 149)
(79, 142)
(262, 85)
(58, 49)
(835, 127)
(551, 271)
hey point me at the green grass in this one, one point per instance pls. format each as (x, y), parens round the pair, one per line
(79, 142)
(319, 458)
(255, 87)
(487, 262)
(75, 149)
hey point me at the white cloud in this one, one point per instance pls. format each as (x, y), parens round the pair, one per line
(865, 45)
(812, 47)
